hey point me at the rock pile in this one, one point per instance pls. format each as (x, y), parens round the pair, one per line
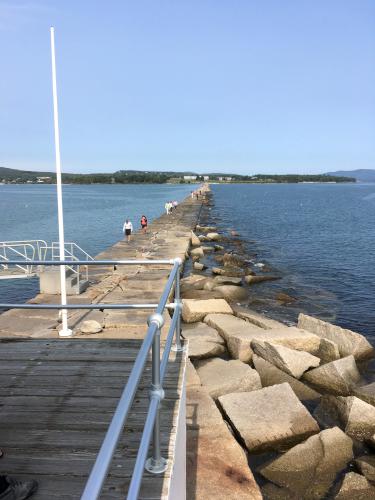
(253, 380)
(258, 372)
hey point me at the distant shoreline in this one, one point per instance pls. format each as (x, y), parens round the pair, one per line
(174, 184)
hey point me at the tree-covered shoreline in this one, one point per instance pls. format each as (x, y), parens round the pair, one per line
(12, 176)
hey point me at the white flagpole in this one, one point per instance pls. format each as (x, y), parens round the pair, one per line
(65, 331)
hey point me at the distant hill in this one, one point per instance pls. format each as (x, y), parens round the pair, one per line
(363, 175)
(9, 175)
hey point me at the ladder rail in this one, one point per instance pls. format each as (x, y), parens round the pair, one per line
(12, 247)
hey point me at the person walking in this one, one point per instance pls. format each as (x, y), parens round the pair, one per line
(127, 229)
(167, 207)
(144, 223)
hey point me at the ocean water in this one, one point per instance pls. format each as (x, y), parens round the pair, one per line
(320, 238)
(93, 218)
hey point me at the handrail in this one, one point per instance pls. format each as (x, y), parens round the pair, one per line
(38, 243)
(11, 246)
(156, 463)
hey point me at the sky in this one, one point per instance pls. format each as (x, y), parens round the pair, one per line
(236, 86)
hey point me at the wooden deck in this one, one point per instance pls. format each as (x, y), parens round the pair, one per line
(57, 399)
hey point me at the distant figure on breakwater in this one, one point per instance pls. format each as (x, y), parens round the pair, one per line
(192, 195)
(168, 206)
(175, 203)
(144, 223)
(127, 229)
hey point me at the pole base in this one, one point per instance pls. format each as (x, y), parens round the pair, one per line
(156, 466)
(178, 348)
(66, 333)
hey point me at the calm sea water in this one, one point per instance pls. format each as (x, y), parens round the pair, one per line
(319, 237)
(93, 217)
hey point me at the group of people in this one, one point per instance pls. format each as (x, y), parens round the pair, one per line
(170, 205)
(196, 194)
(127, 228)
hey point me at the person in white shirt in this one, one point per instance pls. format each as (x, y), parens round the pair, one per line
(127, 229)
(167, 207)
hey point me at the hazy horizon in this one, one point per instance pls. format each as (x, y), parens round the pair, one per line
(244, 88)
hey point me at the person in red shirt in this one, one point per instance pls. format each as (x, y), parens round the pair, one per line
(144, 223)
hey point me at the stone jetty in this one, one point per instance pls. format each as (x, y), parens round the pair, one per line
(293, 399)
(273, 411)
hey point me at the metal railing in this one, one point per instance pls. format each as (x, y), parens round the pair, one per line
(155, 464)
(29, 250)
(73, 253)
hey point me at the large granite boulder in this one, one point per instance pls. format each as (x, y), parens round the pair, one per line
(234, 259)
(348, 342)
(271, 375)
(356, 417)
(366, 392)
(201, 294)
(209, 284)
(216, 464)
(271, 418)
(205, 229)
(251, 280)
(218, 248)
(355, 487)
(197, 252)
(213, 236)
(239, 334)
(328, 351)
(195, 241)
(198, 266)
(196, 310)
(202, 237)
(192, 280)
(337, 377)
(366, 464)
(204, 349)
(309, 469)
(221, 377)
(234, 272)
(227, 280)
(290, 361)
(232, 292)
(255, 318)
(193, 331)
(192, 378)
(90, 326)
(207, 249)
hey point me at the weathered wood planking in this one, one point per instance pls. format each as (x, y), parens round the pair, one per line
(57, 398)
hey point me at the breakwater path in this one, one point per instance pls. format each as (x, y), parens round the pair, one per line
(58, 395)
(168, 237)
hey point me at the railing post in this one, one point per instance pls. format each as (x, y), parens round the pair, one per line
(156, 464)
(178, 347)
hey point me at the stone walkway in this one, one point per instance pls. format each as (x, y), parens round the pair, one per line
(168, 237)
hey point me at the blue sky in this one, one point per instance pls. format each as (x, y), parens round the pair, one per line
(242, 86)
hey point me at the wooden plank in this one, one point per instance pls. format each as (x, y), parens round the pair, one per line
(56, 407)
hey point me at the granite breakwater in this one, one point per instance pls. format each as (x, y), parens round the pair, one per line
(296, 399)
